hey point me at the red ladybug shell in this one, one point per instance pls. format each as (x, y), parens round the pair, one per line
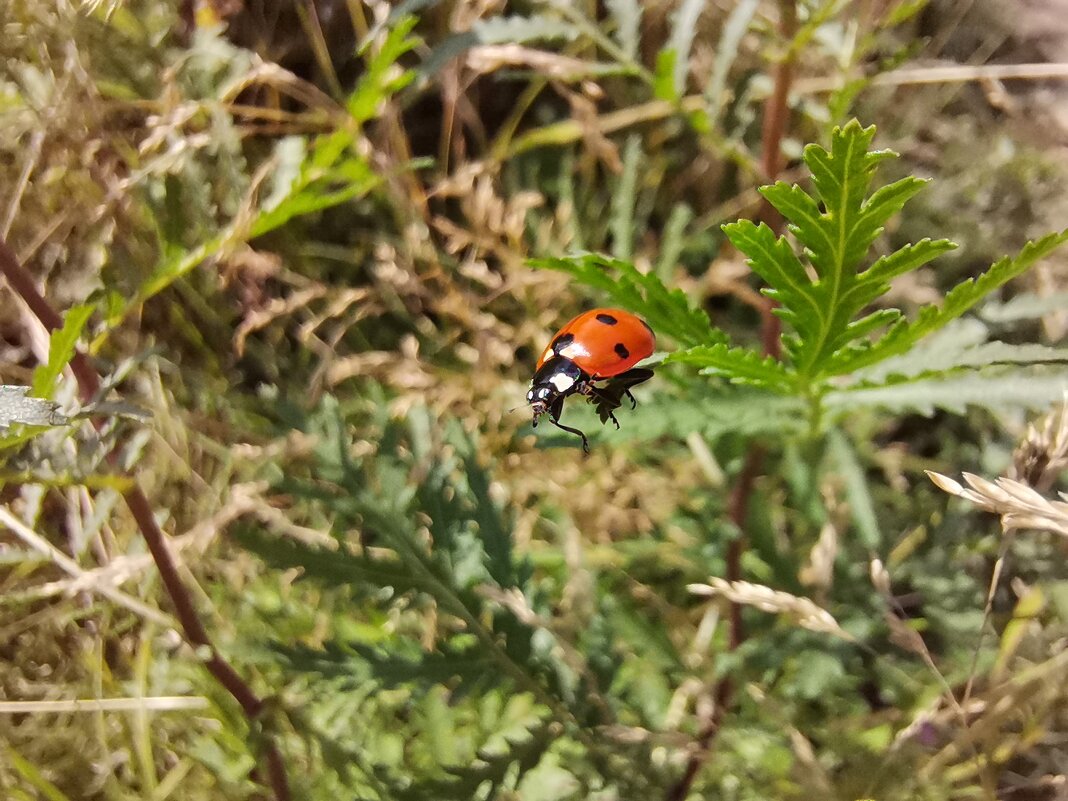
(603, 342)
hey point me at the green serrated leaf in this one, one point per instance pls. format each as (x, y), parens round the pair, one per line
(739, 365)
(402, 664)
(667, 311)
(837, 227)
(61, 347)
(772, 259)
(494, 531)
(381, 78)
(908, 258)
(500, 762)
(963, 297)
(335, 568)
(836, 231)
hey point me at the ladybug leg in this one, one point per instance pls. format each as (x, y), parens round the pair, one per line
(557, 409)
(603, 401)
(612, 417)
(632, 378)
(576, 432)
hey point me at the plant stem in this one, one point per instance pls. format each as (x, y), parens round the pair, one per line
(196, 634)
(776, 114)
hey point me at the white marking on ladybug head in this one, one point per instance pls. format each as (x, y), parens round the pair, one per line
(548, 354)
(562, 382)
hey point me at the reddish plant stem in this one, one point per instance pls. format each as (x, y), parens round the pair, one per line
(776, 115)
(195, 633)
(738, 509)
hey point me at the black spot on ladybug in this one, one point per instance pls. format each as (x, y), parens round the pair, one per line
(607, 319)
(621, 349)
(562, 342)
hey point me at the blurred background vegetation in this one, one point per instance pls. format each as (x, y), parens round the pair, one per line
(294, 236)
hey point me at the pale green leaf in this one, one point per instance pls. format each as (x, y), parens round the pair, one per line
(627, 16)
(1019, 389)
(861, 506)
(961, 344)
(504, 30)
(680, 41)
(734, 31)
(622, 219)
(1026, 306)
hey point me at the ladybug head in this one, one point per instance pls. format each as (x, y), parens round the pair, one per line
(556, 379)
(540, 398)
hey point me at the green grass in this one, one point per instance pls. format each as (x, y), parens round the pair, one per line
(312, 269)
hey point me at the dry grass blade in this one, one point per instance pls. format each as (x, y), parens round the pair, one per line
(819, 572)
(801, 610)
(154, 704)
(104, 588)
(1019, 505)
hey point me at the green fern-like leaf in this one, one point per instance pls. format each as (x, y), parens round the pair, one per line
(836, 228)
(381, 79)
(960, 300)
(740, 365)
(497, 764)
(402, 664)
(667, 311)
(714, 413)
(333, 568)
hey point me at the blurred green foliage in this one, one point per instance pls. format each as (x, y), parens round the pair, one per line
(302, 236)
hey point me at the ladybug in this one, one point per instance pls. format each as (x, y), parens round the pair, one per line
(598, 345)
